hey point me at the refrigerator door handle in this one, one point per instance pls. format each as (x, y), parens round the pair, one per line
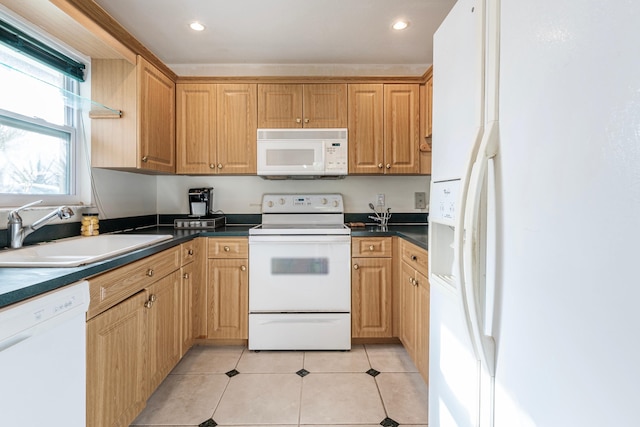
(477, 304)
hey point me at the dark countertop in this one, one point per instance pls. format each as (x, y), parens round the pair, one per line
(18, 284)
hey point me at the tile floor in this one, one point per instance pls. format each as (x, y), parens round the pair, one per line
(369, 386)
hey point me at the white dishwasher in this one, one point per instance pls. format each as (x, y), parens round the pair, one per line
(43, 359)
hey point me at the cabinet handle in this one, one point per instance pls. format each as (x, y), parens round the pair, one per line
(306, 120)
(153, 297)
(411, 280)
(416, 283)
(227, 248)
(190, 251)
(388, 165)
(243, 268)
(212, 166)
(380, 165)
(150, 272)
(370, 247)
(148, 304)
(185, 276)
(298, 120)
(145, 159)
(219, 165)
(356, 266)
(414, 258)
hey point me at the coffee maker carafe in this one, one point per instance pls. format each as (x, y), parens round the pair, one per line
(200, 202)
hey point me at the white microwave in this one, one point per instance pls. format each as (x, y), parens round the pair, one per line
(283, 153)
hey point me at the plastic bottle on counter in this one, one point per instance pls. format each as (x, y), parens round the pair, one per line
(90, 224)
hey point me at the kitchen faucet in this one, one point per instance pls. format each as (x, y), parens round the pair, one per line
(17, 232)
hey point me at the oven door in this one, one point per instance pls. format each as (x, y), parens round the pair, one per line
(299, 274)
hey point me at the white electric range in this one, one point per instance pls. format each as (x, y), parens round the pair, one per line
(300, 276)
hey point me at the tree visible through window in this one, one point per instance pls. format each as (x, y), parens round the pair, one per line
(37, 137)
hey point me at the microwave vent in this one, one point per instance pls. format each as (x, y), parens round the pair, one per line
(301, 134)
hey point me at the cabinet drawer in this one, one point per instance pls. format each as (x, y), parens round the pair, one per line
(371, 247)
(108, 289)
(228, 248)
(414, 256)
(190, 251)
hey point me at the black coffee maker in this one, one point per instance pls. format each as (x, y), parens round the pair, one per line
(201, 202)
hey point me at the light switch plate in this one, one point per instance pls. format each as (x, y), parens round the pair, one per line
(380, 200)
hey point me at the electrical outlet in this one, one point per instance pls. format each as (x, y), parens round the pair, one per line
(420, 200)
(380, 200)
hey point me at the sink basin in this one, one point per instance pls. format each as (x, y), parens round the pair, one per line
(78, 250)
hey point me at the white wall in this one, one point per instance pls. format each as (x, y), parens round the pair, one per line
(242, 194)
(121, 194)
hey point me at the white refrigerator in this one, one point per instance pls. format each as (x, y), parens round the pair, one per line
(535, 215)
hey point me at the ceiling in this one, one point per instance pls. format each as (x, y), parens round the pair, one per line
(285, 37)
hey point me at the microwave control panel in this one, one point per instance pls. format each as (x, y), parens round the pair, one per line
(335, 154)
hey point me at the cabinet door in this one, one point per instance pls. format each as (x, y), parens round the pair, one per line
(324, 106)
(371, 298)
(402, 128)
(164, 328)
(196, 128)
(422, 326)
(228, 298)
(116, 371)
(156, 118)
(237, 128)
(366, 127)
(279, 105)
(408, 309)
(187, 273)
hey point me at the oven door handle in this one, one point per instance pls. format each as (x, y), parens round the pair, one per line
(302, 239)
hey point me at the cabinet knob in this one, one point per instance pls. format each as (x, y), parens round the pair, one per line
(356, 266)
(298, 120)
(148, 304)
(416, 283)
(153, 297)
(219, 165)
(190, 252)
(185, 276)
(227, 248)
(380, 165)
(371, 247)
(150, 272)
(243, 268)
(414, 258)
(388, 165)
(145, 159)
(306, 120)
(212, 166)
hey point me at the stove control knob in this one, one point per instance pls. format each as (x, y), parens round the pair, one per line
(336, 203)
(281, 201)
(324, 201)
(270, 203)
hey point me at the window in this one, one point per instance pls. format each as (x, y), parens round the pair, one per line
(38, 135)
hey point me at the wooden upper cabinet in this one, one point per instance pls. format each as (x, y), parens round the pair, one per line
(384, 128)
(216, 128)
(302, 105)
(366, 128)
(402, 128)
(144, 137)
(237, 128)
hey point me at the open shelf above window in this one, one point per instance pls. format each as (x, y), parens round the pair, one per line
(48, 91)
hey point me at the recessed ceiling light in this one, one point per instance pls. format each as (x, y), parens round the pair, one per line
(400, 25)
(196, 26)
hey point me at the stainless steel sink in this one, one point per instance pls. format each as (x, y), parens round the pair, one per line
(77, 250)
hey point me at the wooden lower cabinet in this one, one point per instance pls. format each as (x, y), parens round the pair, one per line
(163, 328)
(116, 371)
(371, 298)
(228, 289)
(414, 305)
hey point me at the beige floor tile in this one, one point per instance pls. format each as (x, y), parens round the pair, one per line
(345, 398)
(209, 360)
(405, 397)
(337, 361)
(260, 399)
(183, 400)
(270, 362)
(389, 358)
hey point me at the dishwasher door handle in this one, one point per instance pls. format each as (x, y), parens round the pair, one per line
(13, 341)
